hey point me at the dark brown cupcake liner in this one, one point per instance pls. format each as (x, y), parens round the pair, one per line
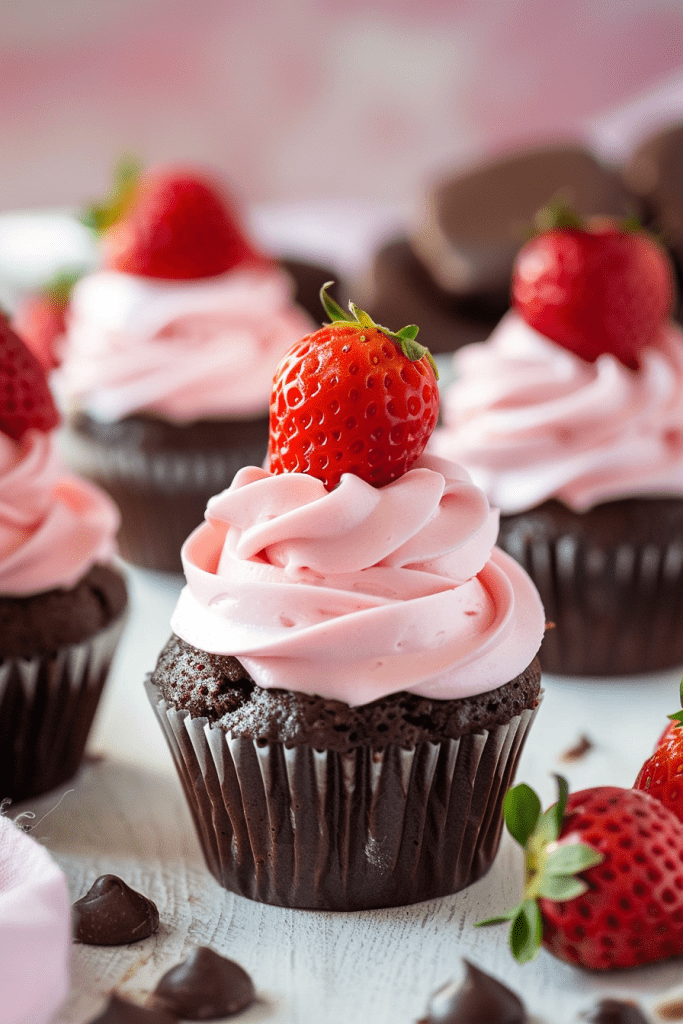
(322, 830)
(162, 495)
(47, 706)
(615, 610)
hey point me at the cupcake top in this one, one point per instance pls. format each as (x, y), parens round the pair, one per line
(326, 582)
(532, 421)
(187, 320)
(53, 526)
(182, 350)
(578, 393)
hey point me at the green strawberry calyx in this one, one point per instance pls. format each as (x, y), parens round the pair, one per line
(405, 338)
(677, 716)
(59, 287)
(551, 866)
(560, 215)
(100, 216)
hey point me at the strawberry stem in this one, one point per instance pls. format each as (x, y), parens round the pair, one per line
(405, 338)
(101, 216)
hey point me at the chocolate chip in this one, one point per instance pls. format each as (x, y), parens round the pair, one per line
(112, 914)
(582, 746)
(478, 999)
(203, 987)
(613, 1011)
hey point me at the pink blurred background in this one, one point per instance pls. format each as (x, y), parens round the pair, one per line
(311, 99)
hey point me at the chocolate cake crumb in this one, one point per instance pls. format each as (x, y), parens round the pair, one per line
(219, 688)
(582, 746)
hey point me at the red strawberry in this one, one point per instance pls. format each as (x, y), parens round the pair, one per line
(25, 399)
(662, 774)
(41, 318)
(177, 225)
(604, 877)
(352, 398)
(593, 288)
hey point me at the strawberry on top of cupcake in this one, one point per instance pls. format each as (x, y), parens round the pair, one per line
(187, 318)
(356, 566)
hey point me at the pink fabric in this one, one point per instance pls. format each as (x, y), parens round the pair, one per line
(362, 591)
(530, 420)
(53, 527)
(35, 930)
(185, 350)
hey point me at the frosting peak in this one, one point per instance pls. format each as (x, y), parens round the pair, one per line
(359, 592)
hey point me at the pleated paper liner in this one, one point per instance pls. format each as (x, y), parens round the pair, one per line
(162, 496)
(615, 597)
(320, 830)
(47, 706)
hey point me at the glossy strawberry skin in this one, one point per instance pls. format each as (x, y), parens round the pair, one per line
(179, 226)
(25, 398)
(594, 291)
(40, 320)
(662, 774)
(632, 912)
(347, 400)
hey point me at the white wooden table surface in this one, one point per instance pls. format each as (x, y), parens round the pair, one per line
(125, 813)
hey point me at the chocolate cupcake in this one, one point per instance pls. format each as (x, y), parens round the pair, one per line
(168, 358)
(61, 599)
(583, 454)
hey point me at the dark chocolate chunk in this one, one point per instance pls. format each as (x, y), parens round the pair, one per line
(614, 1011)
(582, 746)
(308, 280)
(654, 173)
(478, 999)
(672, 1010)
(475, 222)
(120, 1011)
(112, 914)
(205, 986)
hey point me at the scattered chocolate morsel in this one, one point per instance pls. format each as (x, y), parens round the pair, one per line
(120, 1011)
(614, 1011)
(475, 222)
(579, 750)
(479, 999)
(112, 914)
(205, 986)
(670, 1011)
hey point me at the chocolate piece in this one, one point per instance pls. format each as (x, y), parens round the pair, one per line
(402, 292)
(579, 750)
(476, 221)
(112, 914)
(203, 987)
(670, 1011)
(478, 999)
(120, 1011)
(654, 173)
(614, 1011)
(308, 280)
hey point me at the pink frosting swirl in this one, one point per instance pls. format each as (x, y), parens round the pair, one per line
(53, 527)
(359, 592)
(185, 350)
(531, 421)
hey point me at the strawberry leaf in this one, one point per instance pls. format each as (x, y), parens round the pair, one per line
(561, 888)
(521, 809)
(526, 932)
(363, 318)
(568, 860)
(101, 216)
(331, 307)
(410, 332)
(500, 919)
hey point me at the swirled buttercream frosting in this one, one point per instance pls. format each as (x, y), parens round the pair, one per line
(182, 350)
(53, 527)
(359, 592)
(532, 421)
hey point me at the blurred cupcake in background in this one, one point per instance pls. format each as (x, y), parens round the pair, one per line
(570, 417)
(169, 355)
(62, 601)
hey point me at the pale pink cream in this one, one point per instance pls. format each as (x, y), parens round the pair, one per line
(531, 421)
(53, 527)
(359, 592)
(183, 350)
